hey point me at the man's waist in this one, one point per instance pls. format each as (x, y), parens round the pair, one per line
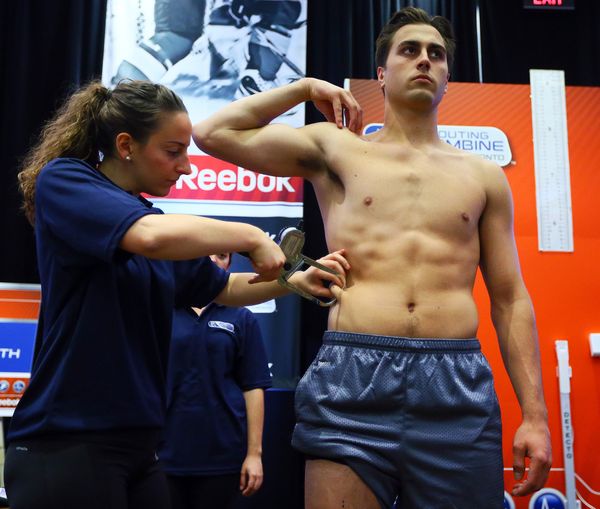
(399, 343)
(376, 313)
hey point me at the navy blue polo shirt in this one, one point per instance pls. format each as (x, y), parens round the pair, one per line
(106, 314)
(214, 358)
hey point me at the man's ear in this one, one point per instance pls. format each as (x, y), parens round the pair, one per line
(123, 143)
(381, 76)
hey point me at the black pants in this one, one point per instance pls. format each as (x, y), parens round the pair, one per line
(91, 471)
(205, 492)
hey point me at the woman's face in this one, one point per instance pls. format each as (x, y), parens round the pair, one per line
(158, 164)
(223, 260)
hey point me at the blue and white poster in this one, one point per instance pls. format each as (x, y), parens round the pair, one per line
(17, 341)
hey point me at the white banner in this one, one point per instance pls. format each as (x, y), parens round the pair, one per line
(208, 52)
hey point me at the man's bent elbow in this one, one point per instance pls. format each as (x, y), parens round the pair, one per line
(199, 134)
(205, 136)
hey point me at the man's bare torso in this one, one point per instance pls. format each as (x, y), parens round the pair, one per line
(408, 219)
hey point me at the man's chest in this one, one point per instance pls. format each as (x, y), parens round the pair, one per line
(406, 193)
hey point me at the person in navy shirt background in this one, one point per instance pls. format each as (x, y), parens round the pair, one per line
(112, 269)
(216, 378)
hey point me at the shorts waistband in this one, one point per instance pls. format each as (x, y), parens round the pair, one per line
(403, 344)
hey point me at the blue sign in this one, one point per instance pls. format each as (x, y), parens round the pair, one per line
(548, 498)
(372, 128)
(17, 341)
(508, 502)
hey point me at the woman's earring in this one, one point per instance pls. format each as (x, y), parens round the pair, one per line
(128, 158)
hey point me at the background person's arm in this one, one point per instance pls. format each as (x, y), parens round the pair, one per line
(251, 475)
(514, 321)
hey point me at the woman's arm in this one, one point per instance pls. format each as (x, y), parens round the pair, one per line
(183, 237)
(239, 291)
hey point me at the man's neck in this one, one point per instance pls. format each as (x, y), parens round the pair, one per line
(416, 127)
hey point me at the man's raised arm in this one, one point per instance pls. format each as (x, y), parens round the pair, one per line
(240, 133)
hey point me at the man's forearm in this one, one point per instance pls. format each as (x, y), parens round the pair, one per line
(252, 112)
(515, 326)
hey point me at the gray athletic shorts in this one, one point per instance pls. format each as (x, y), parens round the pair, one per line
(416, 419)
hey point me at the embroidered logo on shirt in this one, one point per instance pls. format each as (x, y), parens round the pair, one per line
(215, 324)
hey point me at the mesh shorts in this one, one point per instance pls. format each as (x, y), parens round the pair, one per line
(416, 419)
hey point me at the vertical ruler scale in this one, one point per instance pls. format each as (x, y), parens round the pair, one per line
(551, 155)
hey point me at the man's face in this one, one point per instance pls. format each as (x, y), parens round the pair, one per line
(416, 68)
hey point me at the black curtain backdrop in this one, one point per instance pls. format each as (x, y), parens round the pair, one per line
(515, 40)
(48, 48)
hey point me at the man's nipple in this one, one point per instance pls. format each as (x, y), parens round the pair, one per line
(368, 200)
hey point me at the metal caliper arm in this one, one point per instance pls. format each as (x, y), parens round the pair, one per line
(291, 244)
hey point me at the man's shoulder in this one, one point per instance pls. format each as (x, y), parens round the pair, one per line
(487, 168)
(326, 130)
(489, 174)
(478, 164)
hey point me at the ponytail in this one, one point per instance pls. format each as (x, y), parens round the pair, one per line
(88, 122)
(72, 132)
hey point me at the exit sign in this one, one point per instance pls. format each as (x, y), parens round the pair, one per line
(550, 5)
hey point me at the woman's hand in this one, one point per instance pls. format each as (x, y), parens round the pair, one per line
(267, 261)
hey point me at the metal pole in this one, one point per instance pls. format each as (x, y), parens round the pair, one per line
(564, 376)
(478, 27)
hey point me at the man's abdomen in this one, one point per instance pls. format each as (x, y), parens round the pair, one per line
(387, 308)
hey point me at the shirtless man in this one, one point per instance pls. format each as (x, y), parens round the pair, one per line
(382, 411)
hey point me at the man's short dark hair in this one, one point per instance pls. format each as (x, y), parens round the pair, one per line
(413, 16)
